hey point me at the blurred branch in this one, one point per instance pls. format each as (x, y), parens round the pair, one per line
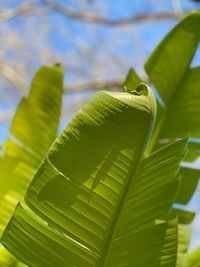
(177, 5)
(51, 6)
(90, 18)
(91, 85)
(11, 75)
(22, 10)
(5, 116)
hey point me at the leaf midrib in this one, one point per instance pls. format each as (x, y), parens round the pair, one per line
(118, 211)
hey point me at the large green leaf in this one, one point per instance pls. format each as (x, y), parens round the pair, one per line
(33, 129)
(8, 260)
(183, 115)
(178, 85)
(96, 200)
(170, 61)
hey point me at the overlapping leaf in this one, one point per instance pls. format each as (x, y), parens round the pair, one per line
(99, 203)
(33, 129)
(178, 85)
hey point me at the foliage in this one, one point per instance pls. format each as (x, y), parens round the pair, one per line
(103, 195)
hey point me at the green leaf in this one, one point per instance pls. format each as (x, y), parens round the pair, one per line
(33, 129)
(96, 200)
(189, 181)
(178, 85)
(194, 149)
(183, 115)
(170, 61)
(184, 237)
(184, 217)
(189, 259)
(169, 249)
(194, 257)
(131, 81)
(8, 260)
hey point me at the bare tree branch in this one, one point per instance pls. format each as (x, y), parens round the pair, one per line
(5, 116)
(99, 84)
(90, 18)
(51, 6)
(11, 75)
(91, 85)
(22, 10)
(177, 5)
